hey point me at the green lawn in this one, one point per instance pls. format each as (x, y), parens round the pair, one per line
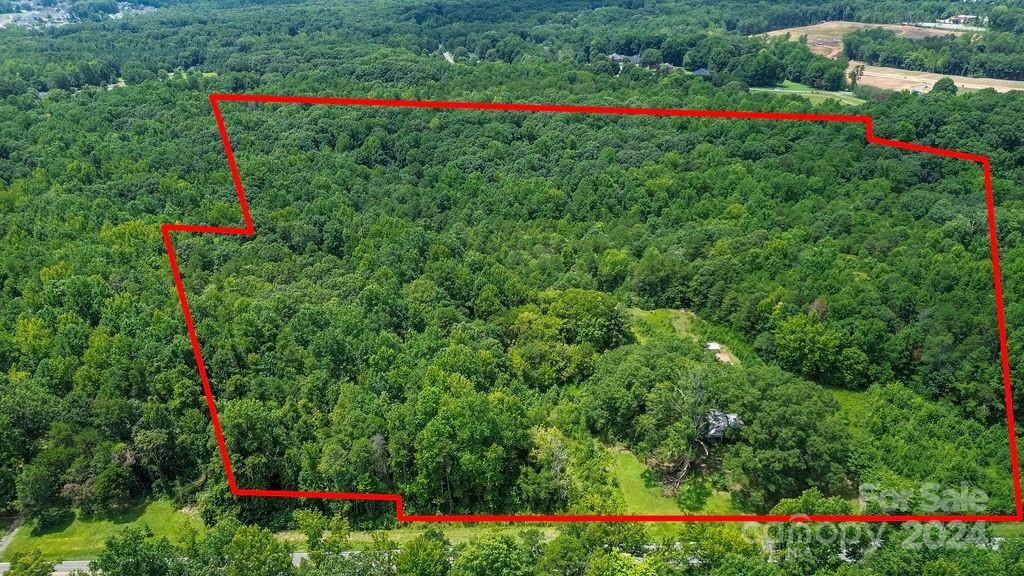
(647, 323)
(812, 94)
(687, 325)
(796, 86)
(456, 533)
(664, 321)
(644, 498)
(719, 503)
(1008, 529)
(852, 402)
(639, 496)
(83, 540)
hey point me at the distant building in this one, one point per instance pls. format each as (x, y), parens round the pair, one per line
(634, 59)
(702, 72)
(961, 19)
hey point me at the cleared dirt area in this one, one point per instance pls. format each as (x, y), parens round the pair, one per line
(726, 357)
(827, 38)
(899, 79)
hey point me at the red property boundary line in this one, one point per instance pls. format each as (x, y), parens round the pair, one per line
(248, 229)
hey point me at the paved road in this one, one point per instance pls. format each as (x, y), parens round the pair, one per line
(6, 540)
(62, 569)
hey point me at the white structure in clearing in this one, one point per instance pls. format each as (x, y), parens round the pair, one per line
(719, 422)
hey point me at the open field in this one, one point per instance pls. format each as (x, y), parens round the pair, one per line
(1008, 529)
(687, 325)
(812, 94)
(900, 79)
(826, 38)
(83, 540)
(642, 497)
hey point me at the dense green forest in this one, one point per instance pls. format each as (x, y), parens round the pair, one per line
(450, 305)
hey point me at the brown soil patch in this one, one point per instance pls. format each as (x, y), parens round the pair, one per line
(899, 79)
(827, 38)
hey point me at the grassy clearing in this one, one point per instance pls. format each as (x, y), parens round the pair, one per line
(795, 86)
(815, 96)
(456, 534)
(663, 322)
(687, 325)
(642, 497)
(853, 402)
(648, 323)
(83, 540)
(1008, 530)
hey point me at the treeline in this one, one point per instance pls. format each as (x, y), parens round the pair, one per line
(994, 55)
(590, 549)
(538, 19)
(1004, 18)
(261, 39)
(754, 61)
(95, 9)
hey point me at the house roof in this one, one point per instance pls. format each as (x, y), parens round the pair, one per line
(635, 59)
